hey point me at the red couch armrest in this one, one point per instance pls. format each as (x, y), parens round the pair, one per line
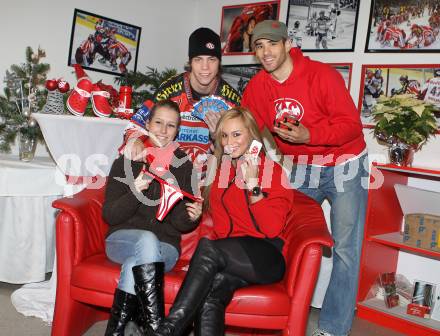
(306, 234)
(80, 228)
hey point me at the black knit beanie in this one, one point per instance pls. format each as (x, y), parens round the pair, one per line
(204, 41)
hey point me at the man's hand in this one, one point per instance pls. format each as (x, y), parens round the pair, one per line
(292, 133)
(134, 150)
(211, 119)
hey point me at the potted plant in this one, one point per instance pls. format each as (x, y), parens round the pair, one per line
(404, 123)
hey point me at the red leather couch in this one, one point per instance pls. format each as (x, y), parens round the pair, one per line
(87, 279)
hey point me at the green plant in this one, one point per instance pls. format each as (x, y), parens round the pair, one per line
(24, 93)
(405, 119)
(145, 84)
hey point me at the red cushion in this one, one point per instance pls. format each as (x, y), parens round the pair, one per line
(99, 274)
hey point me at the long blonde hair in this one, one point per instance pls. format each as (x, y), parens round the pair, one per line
(214, 163)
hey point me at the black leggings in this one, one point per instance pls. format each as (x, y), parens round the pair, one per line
(254, 260)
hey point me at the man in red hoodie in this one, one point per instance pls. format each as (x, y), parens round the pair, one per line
(316, 126)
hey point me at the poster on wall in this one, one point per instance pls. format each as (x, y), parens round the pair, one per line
(422, 81)
(102, 44)
(239, 75)
(238, 22)
(323, 25)
(403, 26)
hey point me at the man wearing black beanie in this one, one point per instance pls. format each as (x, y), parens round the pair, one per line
(201, 78)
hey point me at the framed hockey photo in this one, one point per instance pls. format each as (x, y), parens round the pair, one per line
(345, 70)
(420, 80)
(102, 44)
(239, 75)
(403, 26)
(327, 25)
(238, 22)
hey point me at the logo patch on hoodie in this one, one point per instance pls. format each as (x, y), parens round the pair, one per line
(288, 107)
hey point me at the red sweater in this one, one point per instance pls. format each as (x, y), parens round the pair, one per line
(234, 216)
(315, 94)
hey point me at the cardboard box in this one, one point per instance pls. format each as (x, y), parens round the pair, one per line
(422, 230)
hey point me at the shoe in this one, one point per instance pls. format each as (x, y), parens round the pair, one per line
(148, 286)
(210, 319)
(123, 310)
(100, 104)
(79, 97)
(205, 264)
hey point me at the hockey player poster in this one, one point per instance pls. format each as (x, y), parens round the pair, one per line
(238, 23)
(403, 26)
(420, 80)
(327, 25)
(102, 44)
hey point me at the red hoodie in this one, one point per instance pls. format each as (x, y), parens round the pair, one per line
(315, 94)
(234, 216)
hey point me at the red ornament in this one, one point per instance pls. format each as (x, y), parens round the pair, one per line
(63, 86)
(51, 84)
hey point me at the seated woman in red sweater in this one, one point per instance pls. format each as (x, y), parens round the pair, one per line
(249, 200)
(144, 245)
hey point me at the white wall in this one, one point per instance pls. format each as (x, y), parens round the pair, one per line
(165, 24)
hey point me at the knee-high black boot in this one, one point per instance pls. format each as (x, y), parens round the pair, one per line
(210, 320)
(148, 280)
(123, 310)
(206, 262)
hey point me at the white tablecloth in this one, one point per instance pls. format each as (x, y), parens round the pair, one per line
(82, 146)
(27, 218)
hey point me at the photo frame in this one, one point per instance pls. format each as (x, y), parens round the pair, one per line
(323, 26)
(238, 21)
(345, 70)
(239, 75)
(407, 26)
(101, 44)
(421, 80)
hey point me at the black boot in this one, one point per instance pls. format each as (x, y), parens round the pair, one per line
(206, 262)
(123, 310)
(148, 279)
(210, 320)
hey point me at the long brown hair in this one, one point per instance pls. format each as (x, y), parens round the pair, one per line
(215, 161)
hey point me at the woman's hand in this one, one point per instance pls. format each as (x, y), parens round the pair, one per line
(142, 182)
(194, 210)
(249, 169)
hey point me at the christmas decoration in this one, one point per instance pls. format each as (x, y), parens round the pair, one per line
(51, 84)
(91, 99)
(24, 94)
(54, 103)
(144, 85)
(63, 86)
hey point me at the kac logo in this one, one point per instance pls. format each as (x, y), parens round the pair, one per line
(210, 45)
(288, 107)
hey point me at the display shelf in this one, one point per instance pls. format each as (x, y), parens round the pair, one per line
(397, 318)
(395, 239)
(409, 170)
(382, 244)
